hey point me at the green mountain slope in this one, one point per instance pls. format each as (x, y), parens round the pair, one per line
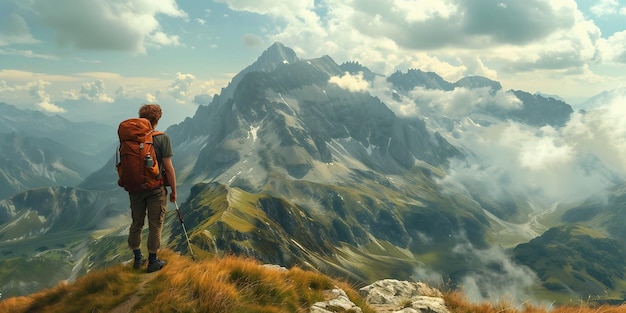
(352, 230)
(46, 235)
(577, 262)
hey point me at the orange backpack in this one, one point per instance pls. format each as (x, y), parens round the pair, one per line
(136, 161)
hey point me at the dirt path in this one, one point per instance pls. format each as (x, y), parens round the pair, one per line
(126, 306)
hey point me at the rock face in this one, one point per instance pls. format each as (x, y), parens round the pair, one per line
(391, 295)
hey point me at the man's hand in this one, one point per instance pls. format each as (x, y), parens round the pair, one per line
(173, 196)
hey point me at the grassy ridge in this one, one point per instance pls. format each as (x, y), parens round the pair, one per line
(225, 284)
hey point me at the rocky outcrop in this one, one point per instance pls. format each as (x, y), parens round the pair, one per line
(336, 300)
(391, 295)
(387, 296)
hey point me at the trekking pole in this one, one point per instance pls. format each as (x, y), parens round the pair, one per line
(180, 218)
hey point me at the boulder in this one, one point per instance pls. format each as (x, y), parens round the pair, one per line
(337, 300)
(396, 296)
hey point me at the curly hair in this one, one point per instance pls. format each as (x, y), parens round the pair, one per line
(151, 112)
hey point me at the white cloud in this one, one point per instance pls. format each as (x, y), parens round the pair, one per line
(450, 72)
(107, 24)
(150, 98)
(105, 97)
(546, 164)
(37, 90)
(350, 82)
(425, 10)
(539, 150)
(180, 88)
(160, 38)
(613, 49)
(456, 23)
(287, 9)
(4, 87)
(92, 91)
(402, 106)
(48, 106)
(605, 7)
(211, 87)
(462, 101)
(457, 103)
(500, 280)
(601, 133)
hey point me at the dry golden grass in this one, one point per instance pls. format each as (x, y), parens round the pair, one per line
(15, 304)
(95, 292)
(458, 303)
(228, 284)
(234, 284)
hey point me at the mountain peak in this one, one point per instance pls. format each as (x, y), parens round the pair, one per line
(478, 82)
(354, 67)
(416, 77)
(276, 54)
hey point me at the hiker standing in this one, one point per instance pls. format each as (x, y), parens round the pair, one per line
(145, 154)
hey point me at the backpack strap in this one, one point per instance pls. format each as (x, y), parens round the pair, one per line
(154, 134)
(161, 168)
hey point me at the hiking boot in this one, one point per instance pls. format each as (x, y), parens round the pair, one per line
(154, 266)
(138, 263)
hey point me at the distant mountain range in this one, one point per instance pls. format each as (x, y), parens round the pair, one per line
(81, 136)
(600, 100)
(37, 150)
(292, 168)
(535, 110)
(28, 162)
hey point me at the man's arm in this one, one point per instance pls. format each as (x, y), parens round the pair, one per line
(170, 174)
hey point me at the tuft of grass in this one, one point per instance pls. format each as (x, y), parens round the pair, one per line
(234, 284)
(186, 286)
(97, 291)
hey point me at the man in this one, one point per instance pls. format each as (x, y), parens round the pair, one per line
(152, 202)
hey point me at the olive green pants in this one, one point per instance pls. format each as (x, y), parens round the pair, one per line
(154, 204)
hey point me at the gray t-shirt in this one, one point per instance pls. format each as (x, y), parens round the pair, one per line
(163, 149)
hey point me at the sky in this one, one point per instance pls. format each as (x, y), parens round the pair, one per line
(99, 60)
